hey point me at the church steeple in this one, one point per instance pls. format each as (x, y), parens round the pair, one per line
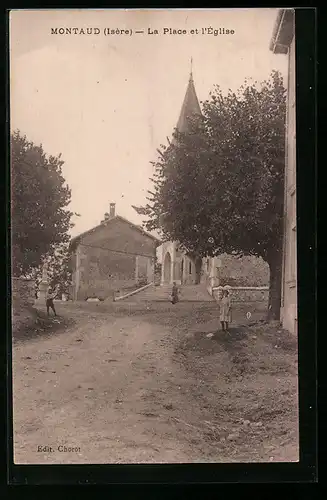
(190, 105)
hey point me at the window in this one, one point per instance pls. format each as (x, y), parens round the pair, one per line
(190, 268)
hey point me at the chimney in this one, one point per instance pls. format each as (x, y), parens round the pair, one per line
(112, 209)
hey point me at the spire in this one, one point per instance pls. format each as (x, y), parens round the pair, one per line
(190, 105)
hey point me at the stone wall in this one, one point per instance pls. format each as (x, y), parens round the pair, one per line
(102, 272)
(244, 295)
(23, 291)
(244, 271)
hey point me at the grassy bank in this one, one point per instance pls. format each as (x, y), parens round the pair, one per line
(32, 321)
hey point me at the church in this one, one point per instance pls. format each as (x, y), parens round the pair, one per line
(182, 268)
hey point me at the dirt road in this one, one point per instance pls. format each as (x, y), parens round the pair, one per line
(136, 384)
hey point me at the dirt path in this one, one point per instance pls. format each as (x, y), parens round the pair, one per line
(100, 387)
(141, 387)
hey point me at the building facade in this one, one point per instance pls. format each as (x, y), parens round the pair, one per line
(222, 270)
(178, 266)
(283, 42)
(114, 256)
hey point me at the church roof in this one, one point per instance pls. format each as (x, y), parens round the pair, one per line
(190, 106)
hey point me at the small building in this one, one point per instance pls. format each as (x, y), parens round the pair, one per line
(283, 42)
(114, 256)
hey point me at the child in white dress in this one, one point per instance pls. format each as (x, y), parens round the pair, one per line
(225, 310)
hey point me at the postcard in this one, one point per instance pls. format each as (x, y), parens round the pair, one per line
(154, 236)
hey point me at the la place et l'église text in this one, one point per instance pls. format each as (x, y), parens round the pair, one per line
(197, 31)
(149, 31)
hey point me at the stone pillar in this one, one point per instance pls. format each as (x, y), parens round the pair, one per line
(77, 273)
(162, 271)
(214, 272)
(172, 271)
(212, 268)
(194, 276)
(184, 269)
(150, 270)
(173, 263)
(43, 286)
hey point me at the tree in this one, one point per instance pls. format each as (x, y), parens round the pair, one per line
(40, 219)
(59, 272)
(219, 187)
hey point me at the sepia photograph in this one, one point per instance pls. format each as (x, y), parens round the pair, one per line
(153, 236)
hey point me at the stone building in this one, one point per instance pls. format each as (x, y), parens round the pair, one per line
(183, 268)
(114, 256)
(283, 42)
(178, 266)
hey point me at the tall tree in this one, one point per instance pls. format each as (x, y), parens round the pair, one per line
(219, 188)
(40, 219)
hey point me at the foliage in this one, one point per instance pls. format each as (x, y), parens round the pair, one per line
(157, 268)
(219, 187)
(59, 272)
(40, 196)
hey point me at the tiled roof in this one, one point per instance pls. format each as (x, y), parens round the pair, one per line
(76, 240)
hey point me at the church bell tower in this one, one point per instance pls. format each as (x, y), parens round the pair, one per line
(177, 266)
(190, 106)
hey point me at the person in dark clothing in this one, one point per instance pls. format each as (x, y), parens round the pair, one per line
(174, 294)
(49, 301)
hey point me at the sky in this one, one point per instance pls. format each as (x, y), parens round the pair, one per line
(107, 102)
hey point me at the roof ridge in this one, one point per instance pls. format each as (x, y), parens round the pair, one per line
(91, 230)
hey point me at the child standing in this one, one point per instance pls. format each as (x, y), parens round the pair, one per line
(49, 301)
(225, 310)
